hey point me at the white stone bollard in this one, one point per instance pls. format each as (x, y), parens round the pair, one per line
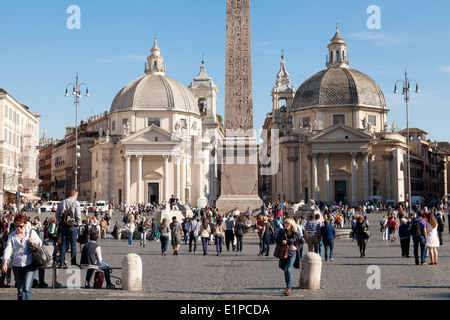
(132, 272)
(310, 271)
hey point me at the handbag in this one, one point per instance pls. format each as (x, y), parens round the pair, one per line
(281, 251)
(41, 257)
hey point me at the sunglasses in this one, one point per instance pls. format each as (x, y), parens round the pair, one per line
(21, 226)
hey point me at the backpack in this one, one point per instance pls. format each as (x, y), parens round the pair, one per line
(99, 277)
(415, 228)
(68, 218)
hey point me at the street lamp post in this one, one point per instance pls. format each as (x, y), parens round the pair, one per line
(76, 92)
(406, 89)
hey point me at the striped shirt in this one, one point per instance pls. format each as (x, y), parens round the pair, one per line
(312, 227)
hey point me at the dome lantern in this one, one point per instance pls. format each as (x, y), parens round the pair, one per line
(155, 62)
(337, 52)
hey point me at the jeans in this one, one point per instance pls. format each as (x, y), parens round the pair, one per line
(130, 238)
(154, 235)
(418, 241)
(265, 244)
(24, 280)
(192, 239)
(328, 244)
(143, 237)
(164, 243)
(205, 244)
(219, 242)
(239, 243)
(288, 271)
(69, 236)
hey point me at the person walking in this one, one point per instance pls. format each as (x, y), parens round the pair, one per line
(218, 232)
(130, 227)
(419, 235)
(432, 240)
(194, 228)
(404, 235)
(292, 239)
(69, 233)
(362, 234)
(175, 231)
(392, 227)
(239, 230)
(312, 228)
(383, 228)
(18, 250)
(142, 228)
(205, 231)
(327, 233)
(164, 231)
(440, 229)
(265, 238)
(229, 232)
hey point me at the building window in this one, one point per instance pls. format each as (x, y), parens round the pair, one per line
(154, 121)
(338, 118)
(373, 120)
(306, 122)
(113, 126)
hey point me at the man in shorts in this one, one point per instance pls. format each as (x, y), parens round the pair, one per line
(176, 231)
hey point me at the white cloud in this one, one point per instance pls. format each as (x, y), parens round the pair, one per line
(445, 69)
(377, 38)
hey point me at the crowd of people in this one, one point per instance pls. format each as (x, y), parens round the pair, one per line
(209, 227)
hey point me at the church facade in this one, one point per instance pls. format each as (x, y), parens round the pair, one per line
(160, 140)
(334, 141)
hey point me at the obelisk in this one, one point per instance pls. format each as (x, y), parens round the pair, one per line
(238, 154)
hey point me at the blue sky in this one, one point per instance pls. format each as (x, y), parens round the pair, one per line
(39, 55)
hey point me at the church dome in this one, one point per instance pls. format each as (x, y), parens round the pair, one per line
(339, 87)
(155, 91)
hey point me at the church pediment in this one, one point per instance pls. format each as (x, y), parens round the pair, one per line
(152, 134)
(340, 138)
(340, 132)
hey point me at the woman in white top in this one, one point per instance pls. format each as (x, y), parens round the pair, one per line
(130, 227)
(17, 249)
(432, 241)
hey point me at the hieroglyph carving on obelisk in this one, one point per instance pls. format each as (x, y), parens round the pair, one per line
(238, 94)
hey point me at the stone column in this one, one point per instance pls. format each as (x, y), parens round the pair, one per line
(166, 194)
(127, 186)
(371, 160)
(177, 181)
(354, 179)
(387, 161)
(314, 178)
(292, 160)
(327, 176)
(139, 190)
(366, 175)
(182, 179)
(310, 182)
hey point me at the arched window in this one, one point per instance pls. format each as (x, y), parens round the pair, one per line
(337, 55)
(202, 105)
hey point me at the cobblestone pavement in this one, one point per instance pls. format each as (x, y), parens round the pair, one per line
(246, 276)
